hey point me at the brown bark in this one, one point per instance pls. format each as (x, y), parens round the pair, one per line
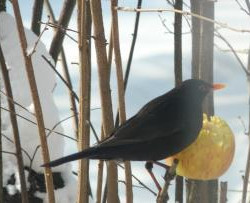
(36, 101)
(15, 130)
(103, 70)
(36, 16)
(63, 21)
(223, 192)
(84, 113)
(178, 79)
(121, 90)
(66, 74)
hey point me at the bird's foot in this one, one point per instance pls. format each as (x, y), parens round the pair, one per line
(149, 167)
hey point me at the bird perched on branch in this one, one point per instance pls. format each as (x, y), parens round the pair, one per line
(163, 127)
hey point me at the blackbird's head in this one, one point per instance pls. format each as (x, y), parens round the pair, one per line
(198, 89)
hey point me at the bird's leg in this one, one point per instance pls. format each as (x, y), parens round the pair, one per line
(149, 167)
(161, 164)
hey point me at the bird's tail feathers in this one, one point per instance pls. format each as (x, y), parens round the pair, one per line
(79, 155)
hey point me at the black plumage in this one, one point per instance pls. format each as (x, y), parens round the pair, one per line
(163, 127)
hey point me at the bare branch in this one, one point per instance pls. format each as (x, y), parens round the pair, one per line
(107, 115)
(33, 50)
(16, 103)
(223, 192)
(240, 51)
(15, 129)
(247, 170)
(10, 140)
(37, 105)
(30, 121)
(36, 16)
(132, 47)
(66, 74)
(139, 181)
(58, 26)
(63, 21)
(248, 5)
(217, 34)
(187, 13)
(241, 7)
(60, 76)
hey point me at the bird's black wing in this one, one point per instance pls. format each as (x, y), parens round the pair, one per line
(162, 117)
(155, 132)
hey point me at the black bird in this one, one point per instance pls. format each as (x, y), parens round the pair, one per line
(163, 127)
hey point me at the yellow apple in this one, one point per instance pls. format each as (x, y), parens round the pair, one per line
(210, 155)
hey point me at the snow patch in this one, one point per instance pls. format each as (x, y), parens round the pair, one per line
(46, 81)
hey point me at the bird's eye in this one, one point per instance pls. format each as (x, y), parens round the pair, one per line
(203, 88)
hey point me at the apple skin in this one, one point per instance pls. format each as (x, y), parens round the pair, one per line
(210, 155)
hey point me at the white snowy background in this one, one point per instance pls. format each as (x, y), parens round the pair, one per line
(151, 75)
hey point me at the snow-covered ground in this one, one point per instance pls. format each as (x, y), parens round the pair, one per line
(151, 75)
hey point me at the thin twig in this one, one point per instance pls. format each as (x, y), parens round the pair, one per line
(243, 67)
(60, 76)
(51, 131)
(15, 129)
(240, 51)
(248, 5)
(163, 22)
(33, 50)
(6, 152)
(132, 47)
(223, 192)
(24, 151)
(89, 122)
(16, 103)
(241, 7)
(121, 98)
(63, 29)
(58, 26)
(72, 38)
(187, 13)
(140, 182)
(66, 73)
(247, 170)
(30, 121)
(67, 80)
(94, 131)
(243, 125)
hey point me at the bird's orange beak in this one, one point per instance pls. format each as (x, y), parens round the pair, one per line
(218, 86)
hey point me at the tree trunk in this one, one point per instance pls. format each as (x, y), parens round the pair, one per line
(178, 79)
(202, 67)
